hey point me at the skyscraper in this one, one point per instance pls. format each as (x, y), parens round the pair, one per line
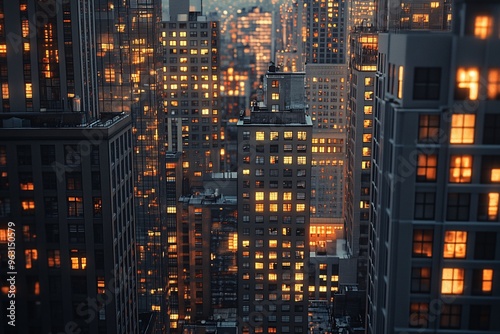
(326, 23)
(66, 191)
(273, 209)
(43, 65)
(189, 93)
(433, 257)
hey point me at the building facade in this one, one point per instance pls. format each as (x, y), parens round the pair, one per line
(189, 94)
(434, 255)
(67, 192)
(273, 213)
(326, 95)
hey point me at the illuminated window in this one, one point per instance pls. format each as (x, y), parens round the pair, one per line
(462, 129)
(273, 207)
(467, 84)
(29, 90)
(299, 276)
(434, 4)
(400, 82)
(368, 110)
(275, 96)
(288, 135)
(365, 164)
(246, 172)
(259, 265)
(460, 168)
(300, 207)
(369, 96)
(421, 279)
(274, 159)
(426, 167)
(482, 281)
(28, 207)
(422, 242)
(483, 26)
(301, 135)
(273, 243)
(273, 196)
(367, 123)
(494, 84)
(287, 196)
(419, 315)
(259, 207)
(275, 84)
(455, 244)
(78, 259)
(53, 258)
(495, 175)
(301, 160)
(273, 276)
(259, 135)
(30, 255)
(420, 18)
(287, 207)
(287, 160)
(273, 135)
(450, 316)
(259, 196)
(488, 207)
(367, 151)
(5, 90)
(452, 281)
(367, 137)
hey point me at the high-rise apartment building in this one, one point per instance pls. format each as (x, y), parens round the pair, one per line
(361, 13)
(189, 93)
(67, 208)
(326, 24)
(359, 147)
(434, 256)
(326, 95)
(273, 209)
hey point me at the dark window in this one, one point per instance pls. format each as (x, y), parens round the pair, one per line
(51, 209)
(49, 181)
(76, 233)
(96, 180)
(72, 155)
(52, 232)
(458, 207)
(24, 155)
(287, 172)
(480, 317)
(426, 84)
(425, 205)
(428, 128)
(259, 148)
(450, 316)
(94, 157)
(485, 245)
(48, 154)
(421, 279)
(491, 134)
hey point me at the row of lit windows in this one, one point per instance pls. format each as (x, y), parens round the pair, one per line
(77, 258)
(275, 159)
(273, 243)
(273, 207)
(274, 276)
(460, 170)
(274, 135)
(455, 244)
(273, 195)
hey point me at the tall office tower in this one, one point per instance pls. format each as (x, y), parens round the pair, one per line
(67, 193)
(126, 35)
(327, 97)
(46, 57)
(326, 23)
(189, 93)
(359, 147)
(254, 27)
(413, 15)
(273, 209)
(434, 257)
(208, 266)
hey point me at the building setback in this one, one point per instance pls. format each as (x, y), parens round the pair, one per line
(434, 256)
(69, 191)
